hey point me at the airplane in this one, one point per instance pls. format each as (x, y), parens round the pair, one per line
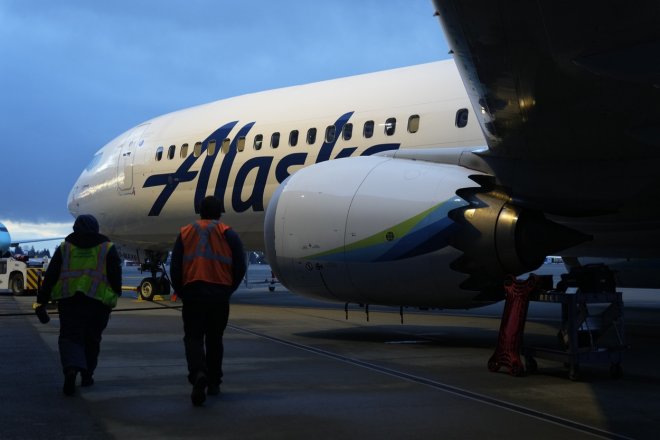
(424, 186)
(6, 242)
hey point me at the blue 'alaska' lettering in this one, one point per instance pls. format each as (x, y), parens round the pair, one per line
(282, 168)
(227, 163)
(205, 173)
(261, 165)
(380, 148)
(256, 198)
(170, 181)
(346, 152)
(327, 147)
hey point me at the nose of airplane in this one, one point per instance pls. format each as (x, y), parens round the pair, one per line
(72, 203)
(5, 239)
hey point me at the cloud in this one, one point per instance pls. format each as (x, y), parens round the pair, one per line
(30, 231)
(20, 230)
(76, 73)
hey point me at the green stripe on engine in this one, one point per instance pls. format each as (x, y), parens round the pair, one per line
(399, 231)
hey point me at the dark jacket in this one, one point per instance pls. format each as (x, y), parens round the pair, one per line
(84, 239)
(201, 290)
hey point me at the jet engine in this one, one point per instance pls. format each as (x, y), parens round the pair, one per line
(377, 230)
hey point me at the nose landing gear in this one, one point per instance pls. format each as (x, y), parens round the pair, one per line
(158, 283)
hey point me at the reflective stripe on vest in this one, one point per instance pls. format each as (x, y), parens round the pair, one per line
(84, 270)
(206, 253)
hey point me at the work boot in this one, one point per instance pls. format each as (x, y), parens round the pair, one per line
(86, 379)
(198, 395)
(69, 381)
(213, 390)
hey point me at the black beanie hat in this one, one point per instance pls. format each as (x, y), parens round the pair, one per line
(210, 208)
(86, 223)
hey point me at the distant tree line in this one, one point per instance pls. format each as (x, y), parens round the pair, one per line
(32, 252)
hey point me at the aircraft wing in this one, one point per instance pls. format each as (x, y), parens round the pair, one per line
(35, 240)
(6, 241)
(567, 94)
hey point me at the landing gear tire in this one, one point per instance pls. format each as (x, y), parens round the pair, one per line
(150, 287)
(16, 284)
(147, 289)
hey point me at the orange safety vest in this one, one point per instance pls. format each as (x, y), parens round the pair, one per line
(206, 254)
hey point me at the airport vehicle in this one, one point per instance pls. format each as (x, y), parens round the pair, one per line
(20, 279)
(5, 240)
(18, 274)
(422, 186)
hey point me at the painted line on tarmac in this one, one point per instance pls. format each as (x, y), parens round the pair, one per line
(576, 426)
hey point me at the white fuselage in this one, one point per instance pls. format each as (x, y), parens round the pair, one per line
(142, 187)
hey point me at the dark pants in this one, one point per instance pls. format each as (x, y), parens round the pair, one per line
(82, 321)
(204, 324)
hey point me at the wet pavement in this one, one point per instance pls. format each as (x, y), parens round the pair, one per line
(297, 368)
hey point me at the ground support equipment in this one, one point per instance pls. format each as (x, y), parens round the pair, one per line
(512, 326)
(584, 337)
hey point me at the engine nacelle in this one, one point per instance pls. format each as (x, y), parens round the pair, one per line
(370, 230)
(378, 230)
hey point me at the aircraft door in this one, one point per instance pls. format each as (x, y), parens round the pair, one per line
(127, 152)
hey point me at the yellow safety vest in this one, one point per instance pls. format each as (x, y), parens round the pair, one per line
(84, 270)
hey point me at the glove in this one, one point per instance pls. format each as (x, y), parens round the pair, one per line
(41, 312)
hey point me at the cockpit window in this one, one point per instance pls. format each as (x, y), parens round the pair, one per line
(94, 162)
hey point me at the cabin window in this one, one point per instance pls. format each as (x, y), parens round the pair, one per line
(240, 146)
(293, 138)
(413, 124)
(184, 151)
(330, 133)
(461, 118)
(258, 141)
(368, 130)
(171, 151)
(159, 153)
(347, 132)
(225, 146)
(197, 149)
(311, 136)
(275, 140)
(390, 126)
(210, 148)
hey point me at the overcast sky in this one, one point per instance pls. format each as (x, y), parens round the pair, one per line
(76, 73)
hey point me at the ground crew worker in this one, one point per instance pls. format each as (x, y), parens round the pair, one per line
(84, 278)
(208, 264)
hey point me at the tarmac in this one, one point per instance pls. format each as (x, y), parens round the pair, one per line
(297, 369)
